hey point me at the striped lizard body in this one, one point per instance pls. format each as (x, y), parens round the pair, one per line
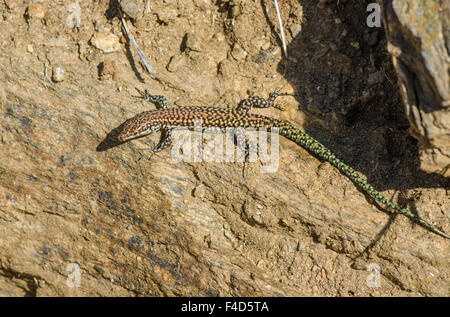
(165, 119)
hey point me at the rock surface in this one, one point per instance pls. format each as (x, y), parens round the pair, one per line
(75, 221)
(418, 32)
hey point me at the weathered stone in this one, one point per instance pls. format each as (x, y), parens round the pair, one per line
(58, 74)
(106, 42)
(131, 7)
(418, 32)
(36, 11)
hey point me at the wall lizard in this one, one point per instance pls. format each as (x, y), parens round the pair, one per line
(164, 119)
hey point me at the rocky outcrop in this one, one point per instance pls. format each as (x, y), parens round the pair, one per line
(418, 32)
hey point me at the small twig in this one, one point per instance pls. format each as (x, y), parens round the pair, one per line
(283, 40)
(141, 55)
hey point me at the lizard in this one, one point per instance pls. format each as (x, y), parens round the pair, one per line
(164, 119)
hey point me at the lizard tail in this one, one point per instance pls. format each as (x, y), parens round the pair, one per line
(312, 145)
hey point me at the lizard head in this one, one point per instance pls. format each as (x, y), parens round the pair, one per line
(138, 126)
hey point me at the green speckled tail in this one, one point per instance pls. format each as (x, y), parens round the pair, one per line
(309, 143)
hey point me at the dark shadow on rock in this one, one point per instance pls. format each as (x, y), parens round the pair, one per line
(112, 12)
(330, 76)
(275, 34)
(111, 139)
(130, 58)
